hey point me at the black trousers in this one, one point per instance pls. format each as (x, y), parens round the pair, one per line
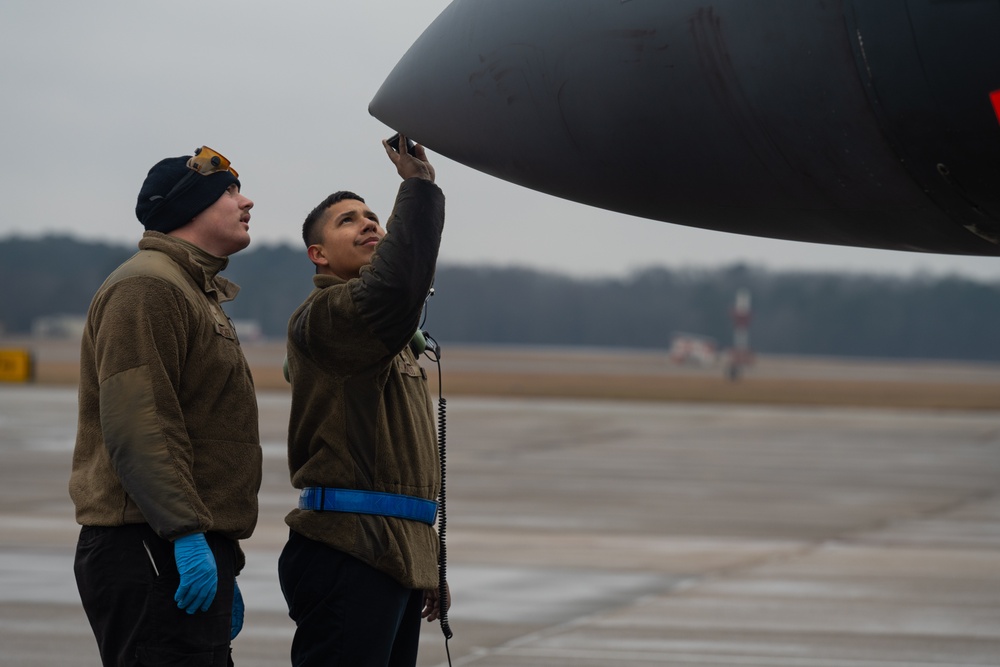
(346, 613)
(128, 594)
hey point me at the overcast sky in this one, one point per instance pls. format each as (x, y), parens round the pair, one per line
(96, 92)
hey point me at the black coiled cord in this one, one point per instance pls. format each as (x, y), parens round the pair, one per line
(442, 527)
(433, 352)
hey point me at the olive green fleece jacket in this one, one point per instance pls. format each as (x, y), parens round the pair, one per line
(361, 414)
(167, 431)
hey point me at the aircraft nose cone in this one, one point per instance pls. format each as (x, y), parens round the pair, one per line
(816, 122)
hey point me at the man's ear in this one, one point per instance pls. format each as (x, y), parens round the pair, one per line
(317, 255)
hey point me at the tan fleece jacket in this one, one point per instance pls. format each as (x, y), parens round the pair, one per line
(167, 430)
(361, 414)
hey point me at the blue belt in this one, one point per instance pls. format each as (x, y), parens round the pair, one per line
(324, 499)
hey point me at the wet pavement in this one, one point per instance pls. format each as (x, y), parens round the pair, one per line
(613, 533)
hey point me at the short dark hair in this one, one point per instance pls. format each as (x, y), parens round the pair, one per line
(310, 228)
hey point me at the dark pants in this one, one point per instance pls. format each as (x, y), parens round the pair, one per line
(131, 608)
(346, 613)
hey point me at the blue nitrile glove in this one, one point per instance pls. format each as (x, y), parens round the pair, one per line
(199, 578)
(237, 623)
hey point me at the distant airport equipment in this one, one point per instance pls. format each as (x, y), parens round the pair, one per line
(740, 356)
(692, 350)
(249, 331)
(16, 365)
(867, 123)
(59, 326)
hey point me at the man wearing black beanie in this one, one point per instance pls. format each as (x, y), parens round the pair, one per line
(167, 462)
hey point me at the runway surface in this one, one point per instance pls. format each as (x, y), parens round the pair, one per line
(629, 533)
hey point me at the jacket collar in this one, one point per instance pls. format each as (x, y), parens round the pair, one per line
(203, 267)
(322, 280)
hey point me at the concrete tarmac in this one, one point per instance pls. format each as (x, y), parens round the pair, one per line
(617, 533)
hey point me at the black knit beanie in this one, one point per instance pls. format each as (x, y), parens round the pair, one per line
(172, 194)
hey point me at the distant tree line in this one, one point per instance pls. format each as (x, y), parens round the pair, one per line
(793, 312)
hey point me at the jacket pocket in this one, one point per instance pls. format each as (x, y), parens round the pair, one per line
(409, 368)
